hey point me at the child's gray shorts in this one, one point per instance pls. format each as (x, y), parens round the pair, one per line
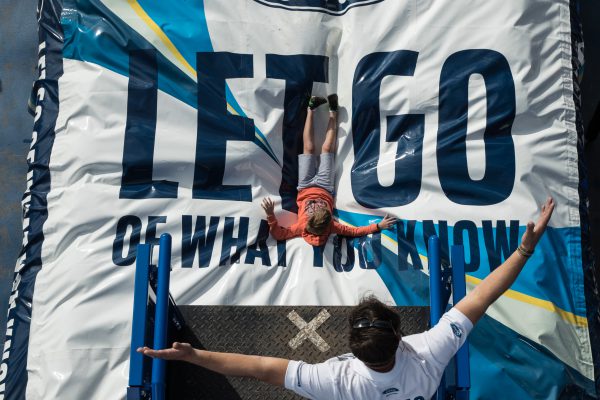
(310, 176)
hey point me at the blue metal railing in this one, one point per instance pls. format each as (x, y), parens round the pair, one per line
(463, 375)
(162, 316)
(141, 386)
(148, 380)
(137, 387)
(444, 281)
(437, 297)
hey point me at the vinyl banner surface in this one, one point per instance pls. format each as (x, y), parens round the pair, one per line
(180, 117)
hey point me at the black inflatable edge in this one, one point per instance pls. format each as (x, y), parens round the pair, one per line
(13, 376)
(590, 270)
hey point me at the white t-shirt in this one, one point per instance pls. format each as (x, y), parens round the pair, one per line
(420, 363)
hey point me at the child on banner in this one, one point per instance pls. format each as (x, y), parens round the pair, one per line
(316, 187)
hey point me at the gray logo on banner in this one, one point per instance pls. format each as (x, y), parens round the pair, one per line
(332, 7)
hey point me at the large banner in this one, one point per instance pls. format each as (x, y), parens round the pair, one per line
(180, 117)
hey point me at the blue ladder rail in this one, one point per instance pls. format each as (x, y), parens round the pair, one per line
(137, 369)
(153, 312)
(443, 282)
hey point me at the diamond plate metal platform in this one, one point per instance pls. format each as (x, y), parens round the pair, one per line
(264, 331)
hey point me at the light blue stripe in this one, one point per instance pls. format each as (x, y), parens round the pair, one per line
(502, 359)
(553, 272)
(184, 23)
(110, 49)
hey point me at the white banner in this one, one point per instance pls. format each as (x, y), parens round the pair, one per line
(457, 118)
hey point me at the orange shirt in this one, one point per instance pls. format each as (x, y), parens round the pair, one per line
(298, 229)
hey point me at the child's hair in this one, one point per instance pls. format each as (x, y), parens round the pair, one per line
(319, 221)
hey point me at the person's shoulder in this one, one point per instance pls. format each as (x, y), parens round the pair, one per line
(312, 380)
(407, 343)
(342, 364)
(458, 321)
(332, 362)
(413, 345)
(347, 367)
(342, 358)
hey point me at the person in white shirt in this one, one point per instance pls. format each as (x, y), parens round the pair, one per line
(382, 365)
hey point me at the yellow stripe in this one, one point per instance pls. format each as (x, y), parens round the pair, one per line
(165, 39)
(546, 305)
(260, 138)
(234, 112)
(146, 18)
(231, 109)
(513, 294)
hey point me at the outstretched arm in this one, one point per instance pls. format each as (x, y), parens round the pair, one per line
(267, 369)
(278, 232)
(351, 231)
(474, 305)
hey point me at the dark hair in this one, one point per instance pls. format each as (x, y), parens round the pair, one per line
(319, 221)
(374, 345)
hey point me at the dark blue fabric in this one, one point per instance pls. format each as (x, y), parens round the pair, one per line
(50, 69)
(299, 73)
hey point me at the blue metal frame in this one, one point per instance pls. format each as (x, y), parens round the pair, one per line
(161, 316)
(463, 372)
(435, 280)
(443, 282)
(148, 380)
(138, 388)
(436, 294)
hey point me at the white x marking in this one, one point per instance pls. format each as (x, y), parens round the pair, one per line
(308, 330)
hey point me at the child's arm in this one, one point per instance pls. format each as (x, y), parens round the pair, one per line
(346, 230)
(278, 232)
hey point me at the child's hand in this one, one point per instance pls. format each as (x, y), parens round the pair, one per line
(386, 222)
(268, 206)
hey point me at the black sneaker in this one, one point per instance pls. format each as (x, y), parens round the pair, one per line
(333, 102)
(316, 101)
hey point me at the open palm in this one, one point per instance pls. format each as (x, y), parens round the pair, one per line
(387, 222)
(179, 351)
(534, 232)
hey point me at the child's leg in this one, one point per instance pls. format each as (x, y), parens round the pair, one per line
(308, 135)
(326, 173)
(307, 162)
(329, 144)
(331, 136)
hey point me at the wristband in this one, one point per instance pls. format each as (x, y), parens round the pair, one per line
(524, 252)
(378, 228)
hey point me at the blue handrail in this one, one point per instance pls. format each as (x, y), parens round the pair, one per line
(147, 380)
(138, 329)
(162, 316)
(463, 375)
(435, 279)
(436, 294)
(439, 294)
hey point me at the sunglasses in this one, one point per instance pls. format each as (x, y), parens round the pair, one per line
(361, 323)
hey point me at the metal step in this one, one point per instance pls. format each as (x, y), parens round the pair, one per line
(265, 330)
